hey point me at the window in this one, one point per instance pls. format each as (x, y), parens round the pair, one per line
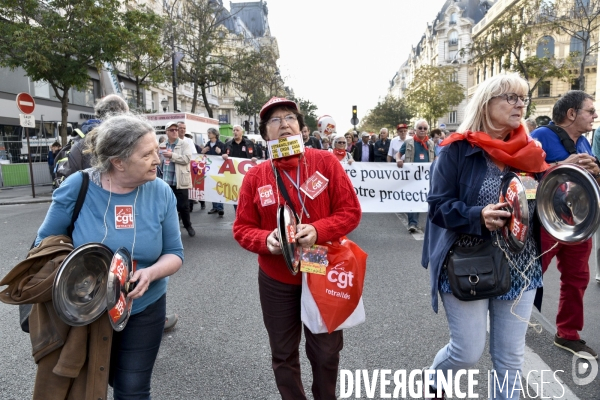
(453, 19)
(577, 44)
(545, 47)
(544, 89)
(454, 77)
(452, 117)
(41, 89)
(453, 38)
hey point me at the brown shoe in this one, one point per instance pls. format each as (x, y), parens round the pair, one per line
(577, 347)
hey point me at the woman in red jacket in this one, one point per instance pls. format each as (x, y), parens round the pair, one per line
(333, 213)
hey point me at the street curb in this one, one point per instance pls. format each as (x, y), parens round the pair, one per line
(17, 202)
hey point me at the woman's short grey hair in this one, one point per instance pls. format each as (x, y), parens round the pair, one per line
(420, 121)
(115, 138)
(110, 105)
(213, 131)
(477, 113)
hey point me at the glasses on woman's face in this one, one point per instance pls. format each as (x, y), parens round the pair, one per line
(344, 143)
(513, 98)
(422, 128)
(275, 122)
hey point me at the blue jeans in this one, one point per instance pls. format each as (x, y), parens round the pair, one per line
(134, 352)
(467, 321)
(413, 219)
(217, 206)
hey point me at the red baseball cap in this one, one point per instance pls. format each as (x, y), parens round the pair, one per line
(276, 102)
(400, 126)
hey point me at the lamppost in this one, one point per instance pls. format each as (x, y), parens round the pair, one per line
(164, 103)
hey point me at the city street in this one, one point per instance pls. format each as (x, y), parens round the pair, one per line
(219, 348)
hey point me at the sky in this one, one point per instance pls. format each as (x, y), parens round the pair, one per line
(342, 53)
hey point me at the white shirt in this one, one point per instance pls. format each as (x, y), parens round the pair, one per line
(191, 143)
(395, 145)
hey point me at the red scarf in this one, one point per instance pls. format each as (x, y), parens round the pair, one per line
(340, 154)
(422, 141)
(519, 151)
(287, 163)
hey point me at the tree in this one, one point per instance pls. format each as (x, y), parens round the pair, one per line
(511, 43)
(434, 91)
(580, 20)
(256, 80)
(308, 109)
(146, 57)
(212, 54)
(58, 41)
(387, 113)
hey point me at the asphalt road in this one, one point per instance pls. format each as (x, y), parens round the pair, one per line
(219, 348)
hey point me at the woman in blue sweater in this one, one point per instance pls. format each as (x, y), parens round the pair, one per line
(127, 206)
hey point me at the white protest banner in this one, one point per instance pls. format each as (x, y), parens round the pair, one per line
(380, 187)
(385, 188)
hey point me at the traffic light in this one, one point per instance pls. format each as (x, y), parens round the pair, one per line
(354, 112)
(247, 126)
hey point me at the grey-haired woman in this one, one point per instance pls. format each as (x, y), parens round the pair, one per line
(126, 206)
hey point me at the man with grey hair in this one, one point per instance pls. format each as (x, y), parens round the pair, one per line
(531, 124)
(382, 146)
(364, 150)
(214, 147)
(75, 159)
(416, 149)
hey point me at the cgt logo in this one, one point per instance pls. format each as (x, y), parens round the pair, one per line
(123, 217)
(340, 277)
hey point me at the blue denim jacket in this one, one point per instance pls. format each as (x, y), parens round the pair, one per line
(457, 175)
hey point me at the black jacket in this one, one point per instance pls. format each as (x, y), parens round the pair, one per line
(312, 142)
(211, 150)
(247, 153)
(382, 156)
(357, 153)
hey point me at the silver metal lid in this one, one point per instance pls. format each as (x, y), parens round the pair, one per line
(568, 201)
(79, 289)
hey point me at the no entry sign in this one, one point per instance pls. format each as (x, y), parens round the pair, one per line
(25, 103)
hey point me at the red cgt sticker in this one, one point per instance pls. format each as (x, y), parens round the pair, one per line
(266, 195)
(314, 185)
(124, 217)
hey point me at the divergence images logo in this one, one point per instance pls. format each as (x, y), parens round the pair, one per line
(339, 276)
(584, 370)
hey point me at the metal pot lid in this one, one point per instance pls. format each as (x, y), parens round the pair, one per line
(79, 289)
(117, 288)
(514, 232)
(286, 232)
(568, 201)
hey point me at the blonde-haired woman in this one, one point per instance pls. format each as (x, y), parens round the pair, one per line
(464, 211)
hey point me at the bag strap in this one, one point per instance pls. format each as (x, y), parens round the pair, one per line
(566, 141)
(79, 203)
(285, 195)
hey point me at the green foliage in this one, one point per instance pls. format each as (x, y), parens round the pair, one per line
(57, 41)
(512, 40)
(386, 114)
(433, 92)
(308, 109)
(147, 59)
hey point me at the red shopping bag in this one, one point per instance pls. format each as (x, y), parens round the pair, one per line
(338, 292)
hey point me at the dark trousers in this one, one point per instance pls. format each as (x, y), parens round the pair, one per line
(134, 352)
(572, 263)
(280, 305)
(183, 205)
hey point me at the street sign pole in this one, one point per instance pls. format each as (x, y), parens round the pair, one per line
(30, 164)
(26, 104)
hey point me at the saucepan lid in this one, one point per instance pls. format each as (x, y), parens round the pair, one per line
(117, 288)
(568, 203)
(514, 232)
(286, 229)
(79, 288)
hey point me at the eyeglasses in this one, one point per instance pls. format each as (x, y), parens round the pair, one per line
(340, 142)
(276, 121)
(172, 130)
(513, 98)
(423, 128)
(591, 111)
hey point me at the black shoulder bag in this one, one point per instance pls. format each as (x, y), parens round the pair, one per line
(564, 137)
(478, 272)
(25, 309)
